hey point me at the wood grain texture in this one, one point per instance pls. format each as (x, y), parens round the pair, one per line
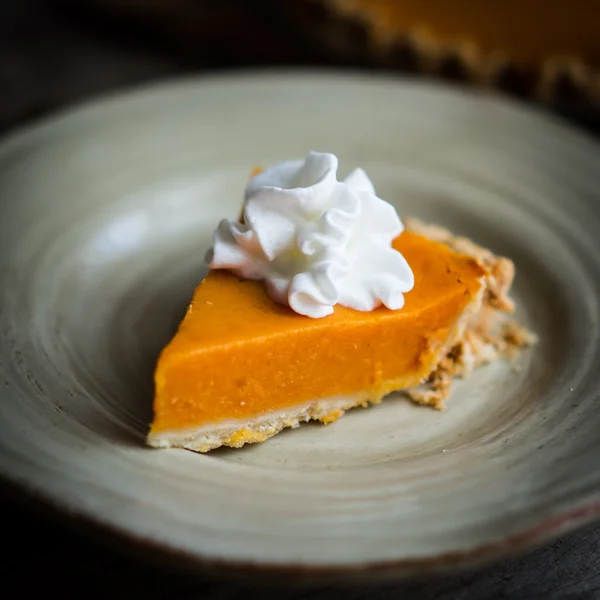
(72, 62)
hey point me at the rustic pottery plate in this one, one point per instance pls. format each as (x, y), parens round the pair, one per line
(105, 214)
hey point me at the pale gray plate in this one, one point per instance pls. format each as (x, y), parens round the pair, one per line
(105, 214)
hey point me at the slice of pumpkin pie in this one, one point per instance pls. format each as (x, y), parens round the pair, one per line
(321, 300)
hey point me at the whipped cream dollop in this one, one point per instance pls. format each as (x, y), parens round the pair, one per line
(316, 241)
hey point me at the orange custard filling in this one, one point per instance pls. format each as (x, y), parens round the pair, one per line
(527, 31)
(238, 353)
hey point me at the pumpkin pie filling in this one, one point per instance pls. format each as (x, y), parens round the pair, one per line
(527, 30)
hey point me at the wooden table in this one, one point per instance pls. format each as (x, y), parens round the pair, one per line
(49, 59)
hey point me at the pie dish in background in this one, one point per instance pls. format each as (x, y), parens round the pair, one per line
(532, 48)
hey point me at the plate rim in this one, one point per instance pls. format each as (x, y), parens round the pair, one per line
(134, 91)
(127, 544)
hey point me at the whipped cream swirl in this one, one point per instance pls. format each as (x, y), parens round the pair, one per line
(316, 241)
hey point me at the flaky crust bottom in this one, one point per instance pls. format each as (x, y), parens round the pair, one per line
(236, 433)
(490, 336)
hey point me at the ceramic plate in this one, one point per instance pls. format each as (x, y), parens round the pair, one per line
(105, 214)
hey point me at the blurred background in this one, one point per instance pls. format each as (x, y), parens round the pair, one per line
(55, 52)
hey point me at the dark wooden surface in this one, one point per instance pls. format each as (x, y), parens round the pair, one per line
(52, 55)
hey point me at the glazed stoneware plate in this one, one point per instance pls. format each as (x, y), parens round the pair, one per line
(105, 214)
